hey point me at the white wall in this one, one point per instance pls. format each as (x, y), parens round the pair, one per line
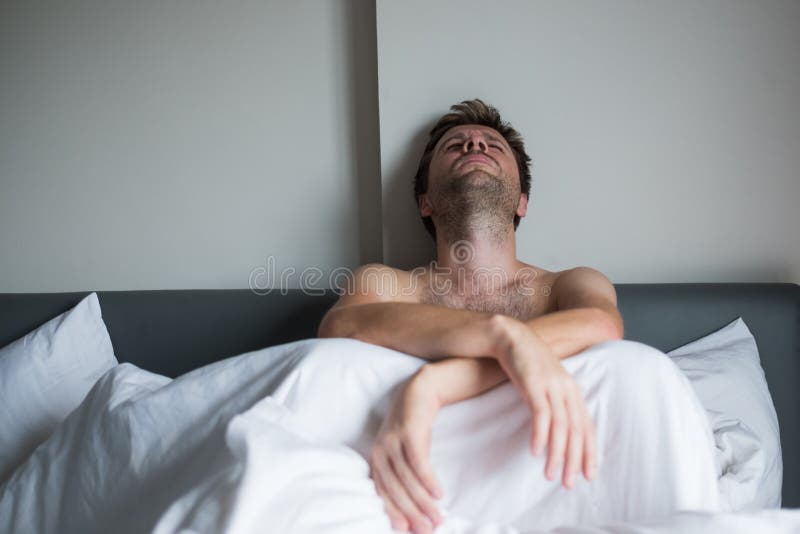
(150, 144)
(665, 135)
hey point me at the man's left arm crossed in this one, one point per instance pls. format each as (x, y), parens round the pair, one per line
(585, 313)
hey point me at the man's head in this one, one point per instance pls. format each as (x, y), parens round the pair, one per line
(474, 161)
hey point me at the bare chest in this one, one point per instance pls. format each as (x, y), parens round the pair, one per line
(521, 303)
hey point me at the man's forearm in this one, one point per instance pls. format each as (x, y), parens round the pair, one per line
(566, 333)
(459, 337)
(428, 331)
(435, 332)
(457, 379)
(569, 332)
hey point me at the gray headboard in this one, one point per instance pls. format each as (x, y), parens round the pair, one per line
(171, 332)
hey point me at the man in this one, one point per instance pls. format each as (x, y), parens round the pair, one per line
(480, 315)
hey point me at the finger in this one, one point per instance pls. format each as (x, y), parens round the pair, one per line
(590, 448)
(540, 421)
(429, 487)
(589, 457)
(575, 443)
(399, 494)
(413, 486)
(399, 521)
(558, 435)
(418, 460)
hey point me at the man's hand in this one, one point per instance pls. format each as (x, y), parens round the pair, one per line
(399, 459)
(559, 415)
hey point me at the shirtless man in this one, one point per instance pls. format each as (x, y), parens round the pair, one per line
(477, 313)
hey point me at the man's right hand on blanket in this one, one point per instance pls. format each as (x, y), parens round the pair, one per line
(399, 463)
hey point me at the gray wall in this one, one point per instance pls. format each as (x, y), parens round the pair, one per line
(153, 144)
(180, 144)
(665, 135)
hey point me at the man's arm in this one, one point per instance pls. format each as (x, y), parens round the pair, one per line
(374, 311)
(425, 330)
(369, 312)
(584, 287)
(587, 314)
(566, 332)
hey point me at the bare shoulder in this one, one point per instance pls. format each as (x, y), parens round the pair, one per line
(582, 286)
(376, 282)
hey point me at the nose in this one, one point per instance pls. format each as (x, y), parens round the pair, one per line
(475, 139)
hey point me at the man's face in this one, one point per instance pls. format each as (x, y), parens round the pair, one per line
(471, 157)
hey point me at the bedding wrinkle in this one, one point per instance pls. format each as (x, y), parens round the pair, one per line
(275, 441)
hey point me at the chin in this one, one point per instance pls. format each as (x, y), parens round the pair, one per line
(478, 174)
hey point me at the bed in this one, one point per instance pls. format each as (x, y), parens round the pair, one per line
(172, 332)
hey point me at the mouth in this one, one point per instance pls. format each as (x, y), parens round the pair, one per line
(475, 159)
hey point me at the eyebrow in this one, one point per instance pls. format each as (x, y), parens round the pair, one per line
(461, 136)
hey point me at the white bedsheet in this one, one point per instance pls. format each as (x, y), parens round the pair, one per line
(276, 441)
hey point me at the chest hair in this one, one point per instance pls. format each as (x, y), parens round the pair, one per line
(512, 303)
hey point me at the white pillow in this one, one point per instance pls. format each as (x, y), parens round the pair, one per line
(45, 375)
(725, 370)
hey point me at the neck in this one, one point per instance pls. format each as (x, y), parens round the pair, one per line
(478, 249)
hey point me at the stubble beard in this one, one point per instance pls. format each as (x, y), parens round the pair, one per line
(476, 205)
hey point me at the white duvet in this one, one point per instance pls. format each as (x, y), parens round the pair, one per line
(276, 441)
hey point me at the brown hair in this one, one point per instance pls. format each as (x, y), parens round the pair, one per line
(482, 114)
